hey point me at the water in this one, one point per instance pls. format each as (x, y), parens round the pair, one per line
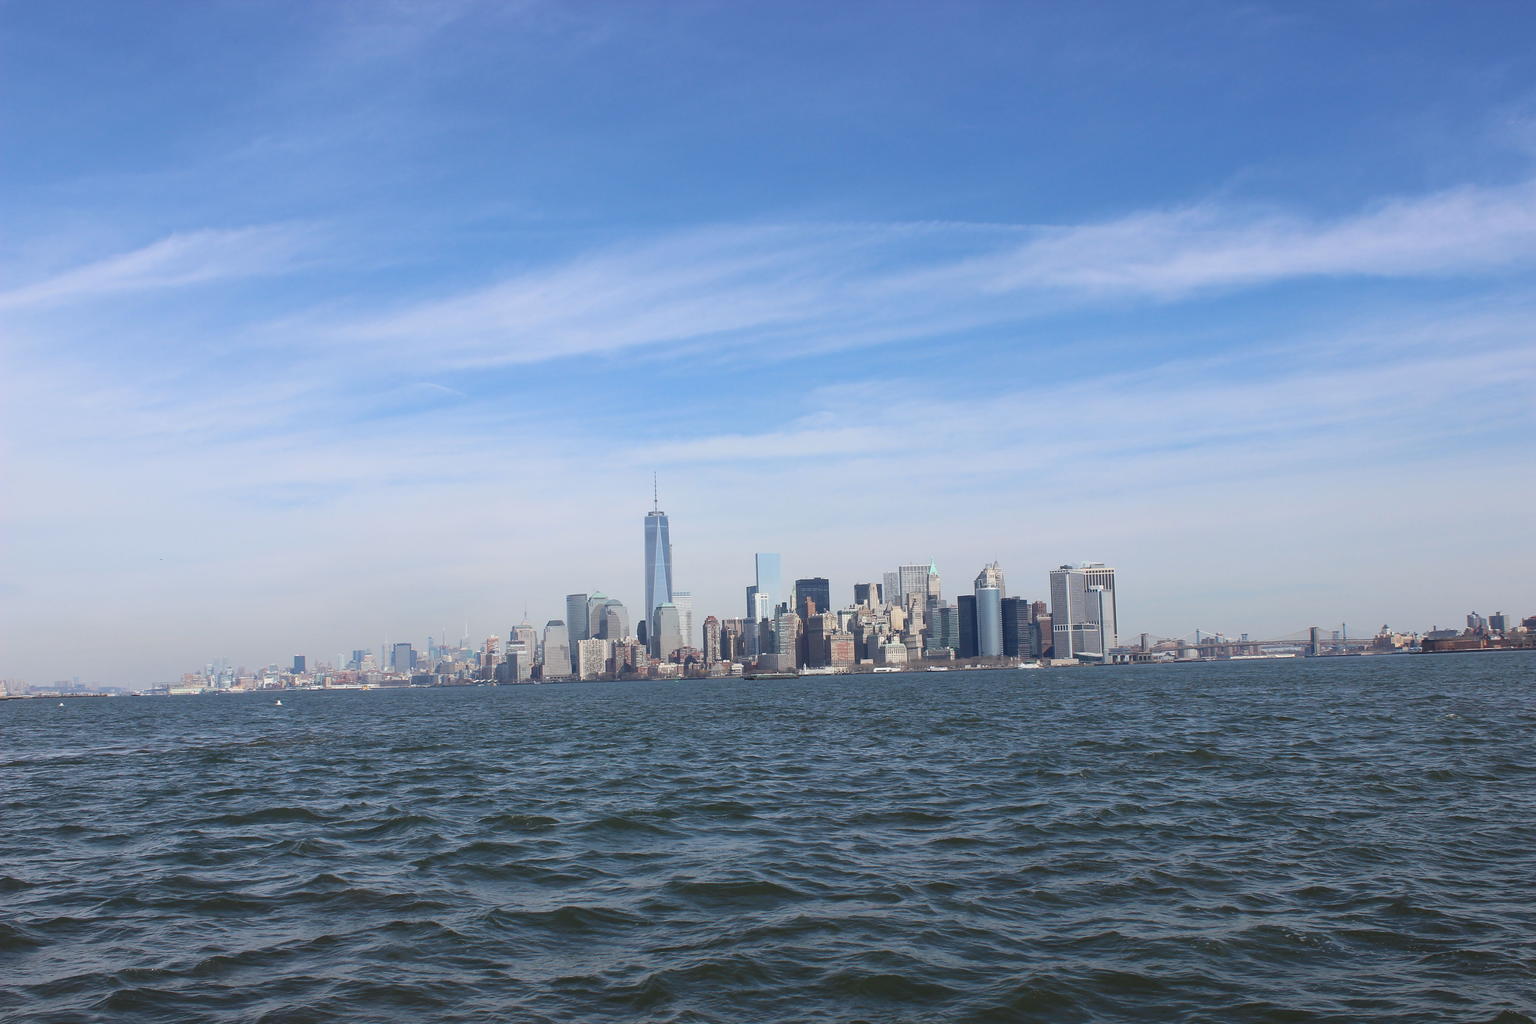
(1335, 840)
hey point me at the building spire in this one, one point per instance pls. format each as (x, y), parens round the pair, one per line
(655, 494)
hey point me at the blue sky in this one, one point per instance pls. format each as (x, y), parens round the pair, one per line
(325, 324)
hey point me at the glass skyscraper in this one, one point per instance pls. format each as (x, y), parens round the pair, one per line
(989, 612)
(658, 562)
(769, 584)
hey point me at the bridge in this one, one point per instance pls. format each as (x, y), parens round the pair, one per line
(1311, 641)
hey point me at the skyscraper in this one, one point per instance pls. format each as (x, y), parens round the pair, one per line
(1083, 612)
(1018, 629)
(965, 606)
(576, 619)
(944, 628)
(595, 604)
(684, 601)
(524, 633)
(989, 612)
(818, 590)
(557, 649)
(911, 581)
(615, 620)
(666, 632)
(402, 658)
(769, 584)
(592, 658)
(658, 561)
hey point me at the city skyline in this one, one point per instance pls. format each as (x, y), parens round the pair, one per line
(379, 321)
(1079, 602)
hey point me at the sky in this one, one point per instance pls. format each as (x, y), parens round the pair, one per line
(326, 324)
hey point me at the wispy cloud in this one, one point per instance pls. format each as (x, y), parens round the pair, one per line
(176, 261)
(1175, 252)
(825, 286)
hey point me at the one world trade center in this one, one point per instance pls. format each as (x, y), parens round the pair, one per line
(658, 562)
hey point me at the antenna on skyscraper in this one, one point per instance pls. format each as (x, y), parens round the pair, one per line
(655, 494)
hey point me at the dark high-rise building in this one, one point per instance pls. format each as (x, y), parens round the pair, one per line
(1045, 638)
(816, 589)
(944, 629)
(1018, 629)
(815, 650)
(402, 658)
(577, 625)
(298, 664)
(867, 595)
(966, 605)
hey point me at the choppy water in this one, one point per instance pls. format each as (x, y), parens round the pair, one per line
(1339, 840)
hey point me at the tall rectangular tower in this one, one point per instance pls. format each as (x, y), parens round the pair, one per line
(1083, 612)
(770, 585)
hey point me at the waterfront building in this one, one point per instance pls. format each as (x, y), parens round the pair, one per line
(786, 635)
(1083, 612)
(592, 657)
(989, 612)
(815, 589)
(712, 638)
(893, 652)
(1018, 630)
(658, 562)
(557, 649)
(841, 652)
(402, 658)
(519, 662)
(965, 614)
(298, 664)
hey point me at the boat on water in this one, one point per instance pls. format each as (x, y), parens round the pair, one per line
(753, 676)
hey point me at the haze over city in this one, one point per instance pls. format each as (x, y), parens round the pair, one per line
(379, 323)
